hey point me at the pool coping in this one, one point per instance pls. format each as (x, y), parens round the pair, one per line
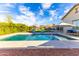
(21, 44)
(67, 36)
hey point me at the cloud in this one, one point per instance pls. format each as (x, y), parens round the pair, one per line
(10, 5)
(4, 11)
(25, 20)
(2, 18)
(6, 8)
(60, 16)
(51, 19)
(46, 5)
(42, 22)
(53, 14)
(3, 7)
(23, 9)
(27, 17)
(66, 10)
(41, 12)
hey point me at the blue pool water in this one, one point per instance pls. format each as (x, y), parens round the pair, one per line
(30, 37)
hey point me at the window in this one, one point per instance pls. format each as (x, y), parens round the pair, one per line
(76, 22)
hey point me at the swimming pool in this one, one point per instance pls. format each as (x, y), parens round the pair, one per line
(29, 37)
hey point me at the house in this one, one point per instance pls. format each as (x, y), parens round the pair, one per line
(72, 17)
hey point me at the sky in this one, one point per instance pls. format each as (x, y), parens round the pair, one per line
(34, 13)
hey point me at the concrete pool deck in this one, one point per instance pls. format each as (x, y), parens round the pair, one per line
(67, 35)
(40, 44)
(20, 44)
(60, 44)
(8, 35)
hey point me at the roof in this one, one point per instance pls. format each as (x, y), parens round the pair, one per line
(69, 11)
(65, 24)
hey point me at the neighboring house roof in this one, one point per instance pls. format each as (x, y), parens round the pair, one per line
(70, 11)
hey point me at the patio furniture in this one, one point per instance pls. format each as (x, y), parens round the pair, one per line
(73, 32)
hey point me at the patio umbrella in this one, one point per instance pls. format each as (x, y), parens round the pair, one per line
(66, 24)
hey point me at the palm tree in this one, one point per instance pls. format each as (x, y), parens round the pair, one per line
(9, 22)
